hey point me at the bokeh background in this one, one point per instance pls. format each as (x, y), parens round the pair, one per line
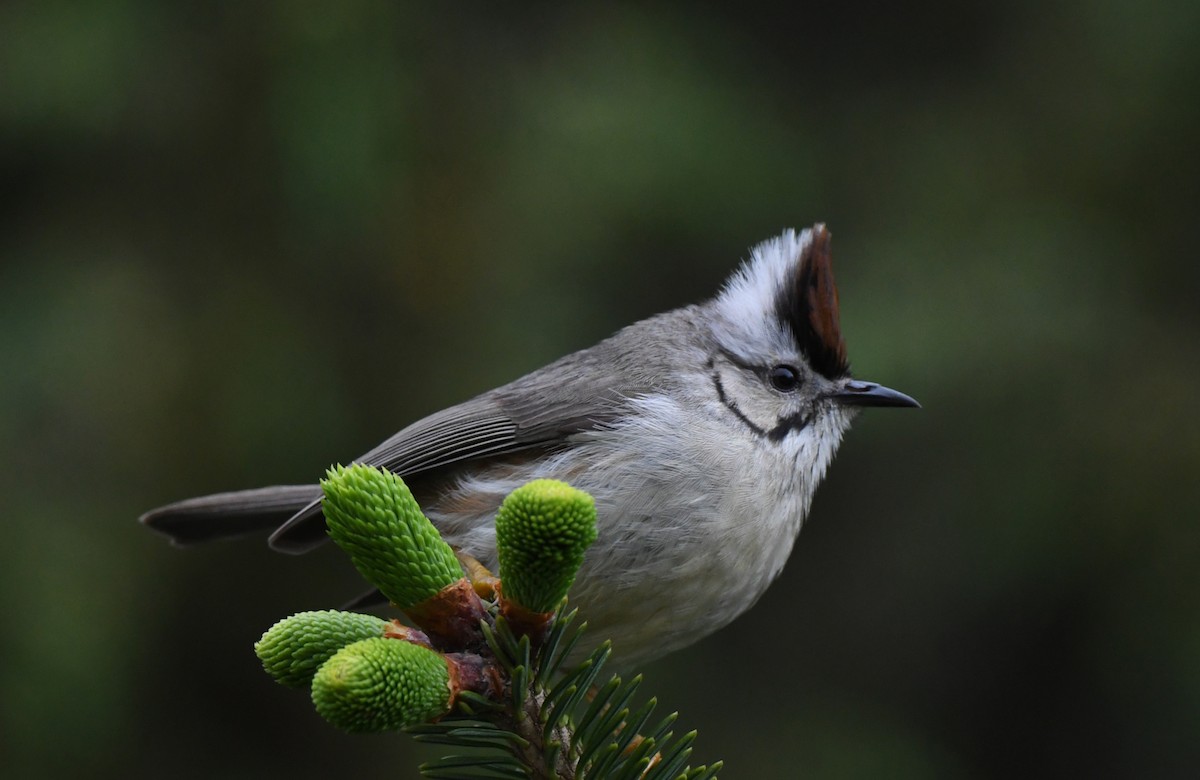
(241, 241)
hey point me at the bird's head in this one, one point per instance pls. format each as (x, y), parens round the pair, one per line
(780, 362)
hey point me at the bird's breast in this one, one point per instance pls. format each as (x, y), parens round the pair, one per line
(693, 523)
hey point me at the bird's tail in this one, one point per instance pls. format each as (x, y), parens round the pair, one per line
(293, 510)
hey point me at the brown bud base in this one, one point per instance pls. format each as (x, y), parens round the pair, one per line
(524, 622)
(397, 630)
(451, 617)
(471, 672)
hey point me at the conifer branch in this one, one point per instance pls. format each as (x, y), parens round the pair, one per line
(493, 677)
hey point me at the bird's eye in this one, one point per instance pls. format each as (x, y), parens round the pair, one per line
(784, 378)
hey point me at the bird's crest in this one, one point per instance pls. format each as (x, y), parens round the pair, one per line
(808, 304)
(785, 292)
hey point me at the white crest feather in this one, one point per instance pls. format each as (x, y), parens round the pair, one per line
(746, 310)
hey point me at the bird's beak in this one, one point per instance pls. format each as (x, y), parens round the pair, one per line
(856, 393)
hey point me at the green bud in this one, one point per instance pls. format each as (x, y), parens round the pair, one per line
(293, 649)
(382, 684)
(373, 517)
(542, 531)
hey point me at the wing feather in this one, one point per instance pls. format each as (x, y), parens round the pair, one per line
(539, 410)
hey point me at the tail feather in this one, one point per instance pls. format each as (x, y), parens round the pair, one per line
(226, 515)
(302, 531)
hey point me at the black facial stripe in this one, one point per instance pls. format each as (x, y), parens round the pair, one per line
(730, 405)
(761, 371)
(737, 361)
(792, 422)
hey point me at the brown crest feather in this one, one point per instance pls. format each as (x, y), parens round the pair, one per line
(809, 308)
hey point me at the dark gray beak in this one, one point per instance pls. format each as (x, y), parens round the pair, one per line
(856, 393)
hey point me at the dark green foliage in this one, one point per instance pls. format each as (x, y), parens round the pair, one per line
(604, 738)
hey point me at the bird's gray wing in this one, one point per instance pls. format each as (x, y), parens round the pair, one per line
(469, 430)
(538, 410)
(229, 515)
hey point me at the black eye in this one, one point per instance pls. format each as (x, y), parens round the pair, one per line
(784, 378)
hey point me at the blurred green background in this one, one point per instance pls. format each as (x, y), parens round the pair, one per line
(242, 241)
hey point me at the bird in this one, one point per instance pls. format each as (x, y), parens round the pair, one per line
(702, 433)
